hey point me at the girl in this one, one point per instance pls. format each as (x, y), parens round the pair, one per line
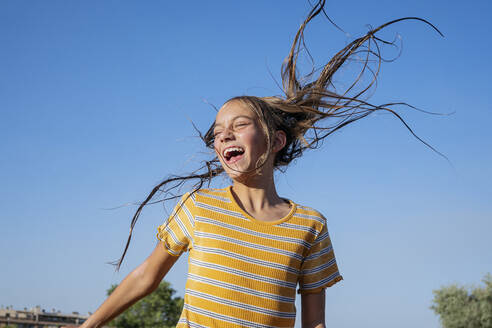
(248, 247)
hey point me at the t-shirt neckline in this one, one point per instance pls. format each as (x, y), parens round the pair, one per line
(293, 207)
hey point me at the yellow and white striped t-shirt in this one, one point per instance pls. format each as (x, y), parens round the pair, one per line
(243, 272)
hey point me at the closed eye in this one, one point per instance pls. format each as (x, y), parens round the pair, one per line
(238, 125)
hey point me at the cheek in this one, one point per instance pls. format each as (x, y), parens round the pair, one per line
(216, 152)
(259, 142)
(216, 146)
(253, 140)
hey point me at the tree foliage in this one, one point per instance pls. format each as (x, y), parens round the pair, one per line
(460, 307)
(158, 309)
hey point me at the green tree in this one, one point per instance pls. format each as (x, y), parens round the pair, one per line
(159, 309)
(460, 307)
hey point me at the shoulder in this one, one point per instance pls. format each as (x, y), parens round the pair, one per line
(310, 217)
(210, 196)
(310, 213)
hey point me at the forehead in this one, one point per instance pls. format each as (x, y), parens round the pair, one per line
(232, 110)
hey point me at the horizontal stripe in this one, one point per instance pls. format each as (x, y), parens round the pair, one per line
(241, 289)
(319, 268)
(183, 228)
(321, 283)
(298, 227)
(190, 216)
(323, 251)
(240, 305)
(190, 323)
(221, 210)
(248, 244)
(310, 217)
(222, 317)
(219, 190)
(307, 208)
(321, 237)
(223, 199)
(252, 232)
(169, 249)
(173, 236)
(247, 259)
(243, 274)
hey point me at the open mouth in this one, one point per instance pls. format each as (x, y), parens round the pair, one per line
(233, 154)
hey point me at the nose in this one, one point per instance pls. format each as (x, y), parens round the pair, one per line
(226, 135)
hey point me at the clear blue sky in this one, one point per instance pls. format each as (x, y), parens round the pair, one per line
(96, 99)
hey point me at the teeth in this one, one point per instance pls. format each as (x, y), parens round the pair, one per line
(231, 149)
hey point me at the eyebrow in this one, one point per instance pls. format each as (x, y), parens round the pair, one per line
(235, 118)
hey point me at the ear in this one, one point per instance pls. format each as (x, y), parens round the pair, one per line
(279, 141)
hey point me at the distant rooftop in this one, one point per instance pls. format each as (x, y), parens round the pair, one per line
(38, 317)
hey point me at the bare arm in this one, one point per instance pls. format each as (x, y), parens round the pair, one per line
(139, 283)
(313, 310)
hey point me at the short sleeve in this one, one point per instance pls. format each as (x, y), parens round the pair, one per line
(319, 268)
(177, 232)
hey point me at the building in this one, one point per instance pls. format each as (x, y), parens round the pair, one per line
(38, 318)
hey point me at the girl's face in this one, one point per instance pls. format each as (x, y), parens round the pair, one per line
(239, 141)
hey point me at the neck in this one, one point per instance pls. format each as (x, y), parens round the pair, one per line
(257, 193)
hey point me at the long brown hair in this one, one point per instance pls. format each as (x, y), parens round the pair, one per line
(309, 110)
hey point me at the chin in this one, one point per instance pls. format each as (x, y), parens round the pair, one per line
(237, 176)
(243, 177)
(240, 171)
